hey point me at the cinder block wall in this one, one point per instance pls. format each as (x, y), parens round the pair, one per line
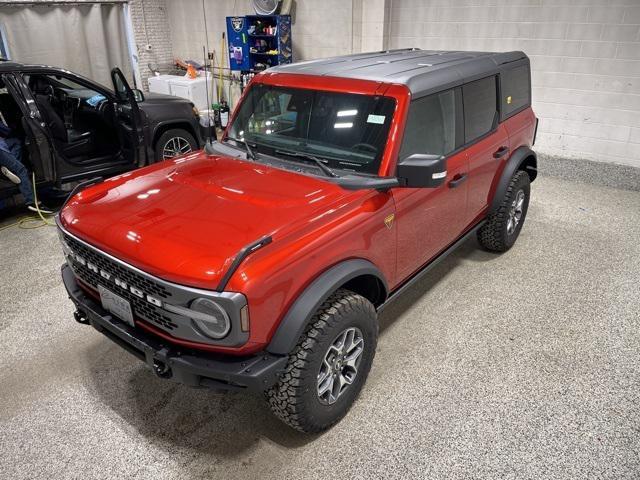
(151, 27)
(188, 25)
(585, 58)
(320, 28)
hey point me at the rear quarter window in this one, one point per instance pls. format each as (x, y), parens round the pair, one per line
(480, 107)
(515, 89)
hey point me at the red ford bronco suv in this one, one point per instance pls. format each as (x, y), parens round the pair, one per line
(261, 263)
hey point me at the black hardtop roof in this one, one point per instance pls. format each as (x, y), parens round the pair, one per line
(422, 71)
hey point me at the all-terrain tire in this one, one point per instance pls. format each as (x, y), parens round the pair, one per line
(494, 235)
(295, 398)
(176, 139)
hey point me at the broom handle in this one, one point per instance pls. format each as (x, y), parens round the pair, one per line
(220, 85)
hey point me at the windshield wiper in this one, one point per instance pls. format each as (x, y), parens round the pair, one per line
(250, 154)
(326, 170)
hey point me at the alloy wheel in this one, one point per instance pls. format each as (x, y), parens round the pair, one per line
(515, 212)
(340, 365)
(175, 146)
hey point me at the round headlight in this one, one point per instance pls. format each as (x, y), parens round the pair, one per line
(210, 318)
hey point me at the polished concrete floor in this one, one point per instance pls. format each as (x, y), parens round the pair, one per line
(524, 365)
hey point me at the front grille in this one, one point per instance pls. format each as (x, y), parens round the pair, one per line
(141, 308)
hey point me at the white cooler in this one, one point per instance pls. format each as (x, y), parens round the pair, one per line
(194, 89)
(160, 84)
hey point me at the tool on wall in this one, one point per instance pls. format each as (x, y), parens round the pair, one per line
(270, 7)
(213, 57)
(205, 54)
(222, 53)
(265, 7)
(211, 128)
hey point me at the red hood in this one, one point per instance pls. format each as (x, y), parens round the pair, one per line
(186, 219)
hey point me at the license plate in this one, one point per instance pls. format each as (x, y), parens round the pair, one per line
(117, 305)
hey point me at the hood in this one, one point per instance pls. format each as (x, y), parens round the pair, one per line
(186, 219)
(159, 98)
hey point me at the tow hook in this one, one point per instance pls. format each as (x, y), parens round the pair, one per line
(81, 317)
(161, 369)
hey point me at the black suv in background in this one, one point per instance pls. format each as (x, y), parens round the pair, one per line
(73, 128)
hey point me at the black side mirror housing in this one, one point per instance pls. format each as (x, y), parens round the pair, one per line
(422, 171)
(138, 95)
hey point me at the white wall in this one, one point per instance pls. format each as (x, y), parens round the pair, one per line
(370, 25)
(151, 27)
(323, 28)
(320, 28)
(585, 54)
(585, 57)
(187, 25)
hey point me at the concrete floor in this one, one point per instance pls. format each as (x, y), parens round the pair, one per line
(525, 365)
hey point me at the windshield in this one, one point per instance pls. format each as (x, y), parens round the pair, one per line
(344, 130)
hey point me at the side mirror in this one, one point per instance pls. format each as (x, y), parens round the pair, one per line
(138, 95)
(422, 171)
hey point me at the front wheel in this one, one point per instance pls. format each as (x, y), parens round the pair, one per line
(503, 226)
(173, 143)
(329, 366)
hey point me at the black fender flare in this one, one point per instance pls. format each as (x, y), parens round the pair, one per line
(181, 123)
(515, 163)
(303, 308)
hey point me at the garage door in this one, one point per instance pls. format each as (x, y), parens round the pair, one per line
(88, 39)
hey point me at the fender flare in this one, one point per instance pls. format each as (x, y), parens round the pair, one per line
(299, 314)
(515, 162)
(178, 122)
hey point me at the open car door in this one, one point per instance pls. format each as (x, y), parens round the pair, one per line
(37, 141)
(129, 118)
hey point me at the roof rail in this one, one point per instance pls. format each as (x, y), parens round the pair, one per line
(408, 49)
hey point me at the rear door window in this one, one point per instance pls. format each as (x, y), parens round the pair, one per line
(515, 89)
(480, 107)
(431, 125)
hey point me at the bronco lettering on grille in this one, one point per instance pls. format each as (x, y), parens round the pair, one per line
(115, 280)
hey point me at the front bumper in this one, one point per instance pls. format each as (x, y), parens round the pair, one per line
(255, 373)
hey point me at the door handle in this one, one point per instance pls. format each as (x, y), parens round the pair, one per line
(457, 180)
(501, 152)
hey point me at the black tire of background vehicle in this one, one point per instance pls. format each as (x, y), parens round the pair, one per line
(294, 399)
(493, 235)
(167, 136)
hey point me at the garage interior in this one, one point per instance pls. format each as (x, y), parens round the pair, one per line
(521, 365)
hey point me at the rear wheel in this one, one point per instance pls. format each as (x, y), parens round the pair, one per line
(503, 226)
(174, 142)
(329, 366)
